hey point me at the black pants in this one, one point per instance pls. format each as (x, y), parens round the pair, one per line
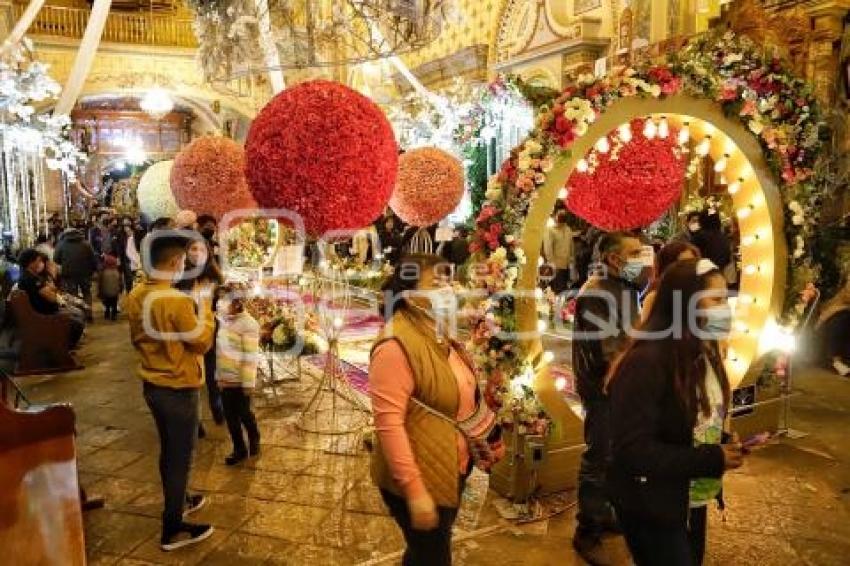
(110, 307)
(697, 526)
(654, 545)
(237, 412)
(129, 276)
(175, 412)
(213, 392)
(424, 548)
(595, 511)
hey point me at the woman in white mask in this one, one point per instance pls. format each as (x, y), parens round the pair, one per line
(670, 400)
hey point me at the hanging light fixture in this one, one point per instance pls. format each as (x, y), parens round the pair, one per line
(157, 103)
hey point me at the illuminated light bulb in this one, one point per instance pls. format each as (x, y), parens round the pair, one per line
(625, 131)
(684, 134)
(704, 146)
(752, 269)
(744, 212)
(550, 223)
(562, 194)
(602, 146)
(663, 129)
(542, 325)
(721, 164)
(560, 383)
(548, 357)
(581, 166)
(650, 129)
(735, 186)
(338, 322)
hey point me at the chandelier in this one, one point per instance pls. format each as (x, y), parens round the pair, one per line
(238, 38)
(157, 103)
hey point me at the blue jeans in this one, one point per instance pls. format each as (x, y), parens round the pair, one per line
(175, 412)
(656, 545)
(595, 512)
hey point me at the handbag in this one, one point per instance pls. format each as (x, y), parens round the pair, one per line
(482, 433)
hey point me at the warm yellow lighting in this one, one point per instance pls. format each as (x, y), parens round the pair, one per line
(663, 129)
(560, 383)
(742, 327)
(704, 146)
(548, 357)
(684, 134)
(542, 325)
(752, 269)
(745, 212)
(550, 223)
(735, 186)
(721, 164)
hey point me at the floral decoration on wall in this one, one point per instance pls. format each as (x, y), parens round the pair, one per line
(154, 193)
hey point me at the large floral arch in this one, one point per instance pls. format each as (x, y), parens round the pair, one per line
(746, 109)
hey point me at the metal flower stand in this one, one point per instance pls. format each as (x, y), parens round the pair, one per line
(281, 369)
(333, 407)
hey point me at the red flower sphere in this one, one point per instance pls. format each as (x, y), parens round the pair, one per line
(429, 186)
(325, 152)
(634, 190)
(208, 177)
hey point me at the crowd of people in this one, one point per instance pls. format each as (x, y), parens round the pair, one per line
(656, 405)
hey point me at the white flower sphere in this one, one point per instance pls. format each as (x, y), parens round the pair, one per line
(155, 197)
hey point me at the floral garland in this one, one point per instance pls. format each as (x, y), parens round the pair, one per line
(776, 107)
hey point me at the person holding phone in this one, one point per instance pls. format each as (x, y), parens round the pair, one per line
(669, 399)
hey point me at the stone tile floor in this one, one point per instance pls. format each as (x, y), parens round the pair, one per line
(303, 502)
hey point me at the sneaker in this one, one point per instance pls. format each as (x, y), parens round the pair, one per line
(188, 534)
(194, 503)
(235, 458)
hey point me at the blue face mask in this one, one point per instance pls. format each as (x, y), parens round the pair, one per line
(718, 322)
(632, 270)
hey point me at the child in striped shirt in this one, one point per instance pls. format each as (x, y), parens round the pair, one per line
(237, 354)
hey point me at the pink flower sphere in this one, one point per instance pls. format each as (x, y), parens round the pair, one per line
(429, 186)
(209, 177)
(325, 152)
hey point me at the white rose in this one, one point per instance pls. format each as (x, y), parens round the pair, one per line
(655, 91)
(581, 129)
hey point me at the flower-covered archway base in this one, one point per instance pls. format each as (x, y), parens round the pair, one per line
(758, 118)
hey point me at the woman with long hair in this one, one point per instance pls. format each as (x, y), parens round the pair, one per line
(668, 255)
(203, 275)
(669, 398)
(421, 382)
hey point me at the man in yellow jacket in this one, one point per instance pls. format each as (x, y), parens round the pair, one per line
(170, 332)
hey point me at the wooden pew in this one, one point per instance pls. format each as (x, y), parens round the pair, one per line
(43, 338)
(40, 515)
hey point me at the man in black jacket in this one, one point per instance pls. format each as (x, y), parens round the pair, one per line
(77, 260)
(606, 308)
